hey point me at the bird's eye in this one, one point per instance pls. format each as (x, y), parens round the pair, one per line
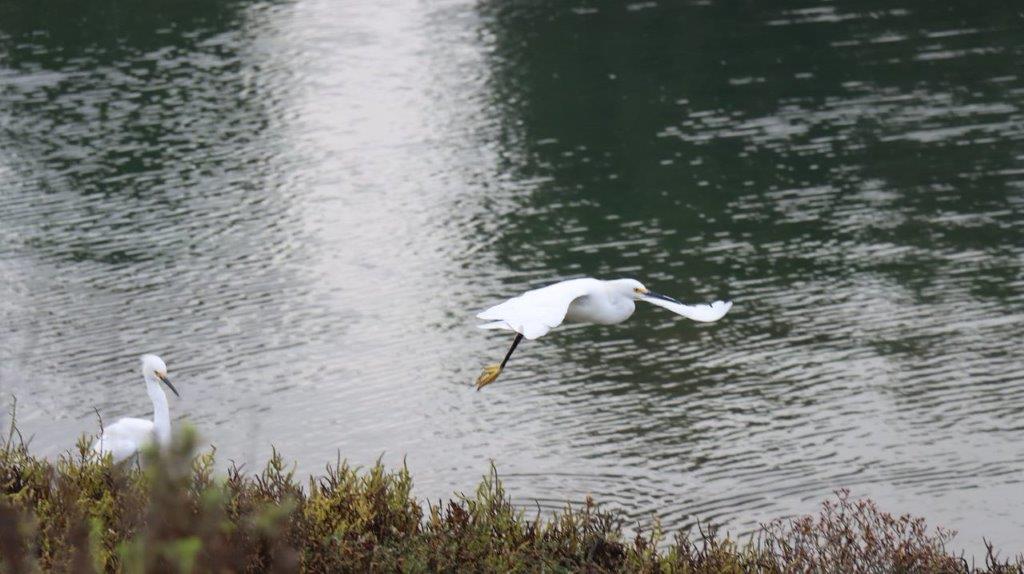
(636, 289)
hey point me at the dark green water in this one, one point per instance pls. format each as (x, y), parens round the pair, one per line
(301, 206)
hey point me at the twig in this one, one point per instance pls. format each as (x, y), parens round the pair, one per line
(99, 418)
(10, 434)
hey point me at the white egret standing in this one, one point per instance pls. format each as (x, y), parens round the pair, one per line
(536, 312)
(125, 437)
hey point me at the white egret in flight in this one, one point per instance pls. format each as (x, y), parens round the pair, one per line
(125, 437)
(536, 312)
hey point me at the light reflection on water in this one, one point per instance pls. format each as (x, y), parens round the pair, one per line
(301, 205)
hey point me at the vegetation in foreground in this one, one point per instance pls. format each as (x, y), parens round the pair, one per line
(82, 513)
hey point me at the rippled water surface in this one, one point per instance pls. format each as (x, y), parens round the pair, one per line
(301, 205)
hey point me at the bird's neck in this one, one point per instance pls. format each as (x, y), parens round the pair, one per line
(161, 413)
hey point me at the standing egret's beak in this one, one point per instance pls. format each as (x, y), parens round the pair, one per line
(166, 381)
(652, 295)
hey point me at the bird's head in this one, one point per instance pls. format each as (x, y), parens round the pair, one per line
(153, 368)
(629, 288)
(636, 290)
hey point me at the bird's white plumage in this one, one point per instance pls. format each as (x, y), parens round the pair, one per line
(124, 438)
(704, 313)
(588, 300)
(536, 312)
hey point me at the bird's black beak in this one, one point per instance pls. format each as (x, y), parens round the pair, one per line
(652, 295)
(166, 381)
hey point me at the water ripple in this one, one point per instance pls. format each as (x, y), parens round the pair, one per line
(301, 204)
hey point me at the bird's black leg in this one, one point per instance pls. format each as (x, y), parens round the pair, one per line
(515, 343)
(491, 372)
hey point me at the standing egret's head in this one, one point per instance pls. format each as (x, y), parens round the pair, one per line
(153, 367)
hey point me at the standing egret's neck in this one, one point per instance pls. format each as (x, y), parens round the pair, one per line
(161, 414)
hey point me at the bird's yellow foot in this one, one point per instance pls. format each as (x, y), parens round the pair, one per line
(488, 376)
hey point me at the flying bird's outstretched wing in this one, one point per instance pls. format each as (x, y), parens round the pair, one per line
(536, 312)
(705, 313)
